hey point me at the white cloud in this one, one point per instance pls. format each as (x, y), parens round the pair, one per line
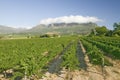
(70, 19)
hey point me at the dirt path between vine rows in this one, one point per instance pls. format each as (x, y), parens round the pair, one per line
(54, 66)
(81, 56)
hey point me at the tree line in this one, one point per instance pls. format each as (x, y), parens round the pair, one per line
(103, 31)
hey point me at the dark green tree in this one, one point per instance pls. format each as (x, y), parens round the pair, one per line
(109, 33)
(116, 26)
(117, 32)
(101, 30)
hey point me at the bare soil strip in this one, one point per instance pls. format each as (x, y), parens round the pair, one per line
(81, 56)
(54, 66)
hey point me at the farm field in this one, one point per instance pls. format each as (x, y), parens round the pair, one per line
(63, 58)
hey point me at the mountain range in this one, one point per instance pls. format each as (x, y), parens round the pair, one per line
(61, 28)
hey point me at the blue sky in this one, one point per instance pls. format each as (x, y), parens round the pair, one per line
(28, 13)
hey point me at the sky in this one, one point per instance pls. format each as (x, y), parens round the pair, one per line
(29, 13)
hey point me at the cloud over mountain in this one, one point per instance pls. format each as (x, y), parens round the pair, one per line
(70, 19)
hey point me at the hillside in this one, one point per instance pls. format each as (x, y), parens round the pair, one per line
(8, 30)
(63, 28)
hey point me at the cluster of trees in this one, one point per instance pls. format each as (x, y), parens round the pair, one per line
(49, 35)
(103, 31)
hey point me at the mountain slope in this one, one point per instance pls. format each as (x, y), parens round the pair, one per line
(63, 28)
(8, 30)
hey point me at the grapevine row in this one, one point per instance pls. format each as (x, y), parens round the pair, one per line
(95, 55)
(109, 49)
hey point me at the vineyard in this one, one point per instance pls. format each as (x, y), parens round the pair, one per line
(31, 59)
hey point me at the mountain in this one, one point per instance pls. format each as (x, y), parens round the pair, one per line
(8, 30)
(63, 28)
